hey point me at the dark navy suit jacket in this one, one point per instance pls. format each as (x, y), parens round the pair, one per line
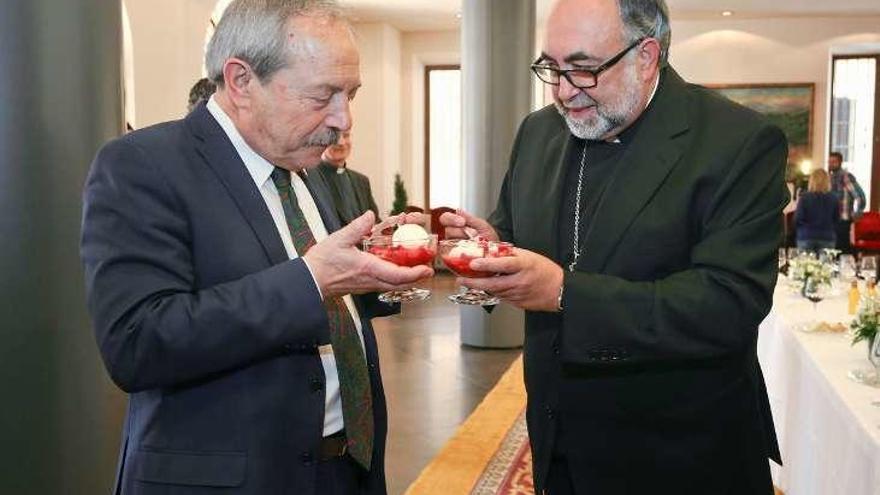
(201, 317)
(816, 217)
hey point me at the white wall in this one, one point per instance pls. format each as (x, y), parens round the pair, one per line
(168, 37)
(376, 110)
(419, 50)
(788, 50)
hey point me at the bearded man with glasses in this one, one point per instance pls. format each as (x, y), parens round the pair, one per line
(647, 213)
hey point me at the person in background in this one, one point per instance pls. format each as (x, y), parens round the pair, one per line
(221, 284)
(817, 214)
(351, 191)
(850, 198)
(200, 92)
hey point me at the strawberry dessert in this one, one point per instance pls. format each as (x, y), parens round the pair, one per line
(410, 245)
(458, 254)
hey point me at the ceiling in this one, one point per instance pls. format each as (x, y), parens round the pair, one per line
(428, 15)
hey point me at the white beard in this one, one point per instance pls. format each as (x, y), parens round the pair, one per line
(609, 116)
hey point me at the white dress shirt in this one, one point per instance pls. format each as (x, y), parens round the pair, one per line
(261, 171)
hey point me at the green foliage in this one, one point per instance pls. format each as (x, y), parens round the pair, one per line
(794, 125)
(400, 199)
(867, 320)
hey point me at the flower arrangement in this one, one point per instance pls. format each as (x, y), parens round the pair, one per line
(806, 268)
(867, 320)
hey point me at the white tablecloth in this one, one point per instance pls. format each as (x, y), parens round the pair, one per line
(829, 432)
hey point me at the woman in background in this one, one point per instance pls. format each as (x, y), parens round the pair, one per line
(816, 214)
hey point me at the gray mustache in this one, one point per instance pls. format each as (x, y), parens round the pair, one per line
(326, 138)
(580, 100)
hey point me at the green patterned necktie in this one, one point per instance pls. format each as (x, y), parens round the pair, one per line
(351, 364)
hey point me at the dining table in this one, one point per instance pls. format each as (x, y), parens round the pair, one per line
(827, 424)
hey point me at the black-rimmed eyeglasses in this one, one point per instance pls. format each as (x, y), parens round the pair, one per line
(580, 77)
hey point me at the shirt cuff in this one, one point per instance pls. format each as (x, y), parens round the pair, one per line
(314, 280)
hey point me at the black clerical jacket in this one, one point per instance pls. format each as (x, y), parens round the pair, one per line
(648, 380)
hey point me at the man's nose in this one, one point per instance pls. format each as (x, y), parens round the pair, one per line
(566, 90)
(340, 115)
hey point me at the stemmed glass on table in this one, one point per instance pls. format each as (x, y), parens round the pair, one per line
(814, 291)
(870, 377)
(847, 267)
(868, 267)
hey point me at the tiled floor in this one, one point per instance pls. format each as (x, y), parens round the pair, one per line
(432, 382)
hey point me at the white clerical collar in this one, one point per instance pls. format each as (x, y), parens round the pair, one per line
(259, 168)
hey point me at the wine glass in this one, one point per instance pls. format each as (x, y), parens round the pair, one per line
(814, 291)
(403, 253)
(870, 377)
(874, 357)
(848, 269)
(829, 255)
(457, 256)
(868, 267)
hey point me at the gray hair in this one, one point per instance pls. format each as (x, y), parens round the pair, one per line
(255, 31)
(647, 18)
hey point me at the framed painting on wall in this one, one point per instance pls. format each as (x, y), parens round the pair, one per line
(789, 106)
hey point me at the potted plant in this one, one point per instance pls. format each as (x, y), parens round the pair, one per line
(400, 199)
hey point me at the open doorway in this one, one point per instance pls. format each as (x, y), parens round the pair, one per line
(855, 119)
(443, 162)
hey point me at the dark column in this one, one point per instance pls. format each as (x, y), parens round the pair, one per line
(60, 98)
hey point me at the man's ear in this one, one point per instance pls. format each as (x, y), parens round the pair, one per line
(649, 57)
(237, 79)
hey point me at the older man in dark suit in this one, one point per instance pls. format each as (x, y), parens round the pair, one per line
(647, 212)
(219, 290)
(351, 191)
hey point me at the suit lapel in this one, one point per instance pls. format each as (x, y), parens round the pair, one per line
(219, 153)
(650, 157)
(547, 228)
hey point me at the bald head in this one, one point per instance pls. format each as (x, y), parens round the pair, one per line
(601, 38)
(629, 19)
(591, 21)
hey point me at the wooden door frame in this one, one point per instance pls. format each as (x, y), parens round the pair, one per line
(427, 164)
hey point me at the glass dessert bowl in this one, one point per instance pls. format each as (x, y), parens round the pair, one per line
(457, 256)
(409, 246)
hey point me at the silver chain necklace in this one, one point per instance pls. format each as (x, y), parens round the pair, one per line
(577, 213)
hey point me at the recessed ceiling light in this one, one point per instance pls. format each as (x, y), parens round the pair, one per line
(727, 13)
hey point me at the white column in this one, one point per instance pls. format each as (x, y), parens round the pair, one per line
(497, 48)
